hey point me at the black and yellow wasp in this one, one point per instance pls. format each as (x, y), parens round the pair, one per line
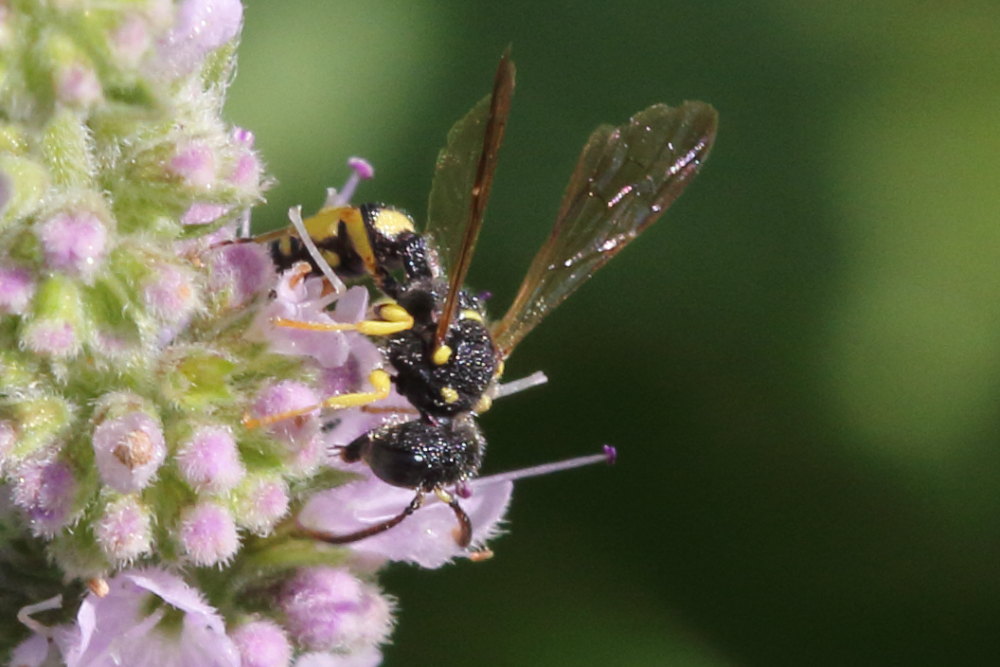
(446, 355)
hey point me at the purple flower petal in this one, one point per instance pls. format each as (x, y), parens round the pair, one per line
(366, 657)
(123, 628)
(426, 538)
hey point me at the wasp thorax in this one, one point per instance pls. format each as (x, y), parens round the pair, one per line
(447, 380)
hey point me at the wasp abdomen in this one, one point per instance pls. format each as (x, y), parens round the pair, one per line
(421, 455)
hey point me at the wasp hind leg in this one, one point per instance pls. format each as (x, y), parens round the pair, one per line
(375, 529)
(462, 535)
(379, 379)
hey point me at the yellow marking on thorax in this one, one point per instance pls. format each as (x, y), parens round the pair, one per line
(449, 394)
(483, 404)
(441, 355)
(392, 223)
(470, 315)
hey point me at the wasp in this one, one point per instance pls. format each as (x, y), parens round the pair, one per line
(446, 355)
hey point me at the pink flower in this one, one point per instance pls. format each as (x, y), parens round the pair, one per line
(369, 656)
(201, 26)
(201, 213)
(124, 627)
(74, 242)
(16, 289)
(78, 85)
(52, 336)
(260, 503)
(262, 643)
(129, 450)
(240, 271)
(426, 538)
(328, 608)
(195, 165)
(207, 533)
(124, 531)
(45, 491)
(209, 460)
(300, 300)
(288, 396)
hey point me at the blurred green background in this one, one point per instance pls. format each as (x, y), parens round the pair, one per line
(800, 364)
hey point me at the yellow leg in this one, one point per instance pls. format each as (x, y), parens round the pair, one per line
(394, 319)
(379, 380)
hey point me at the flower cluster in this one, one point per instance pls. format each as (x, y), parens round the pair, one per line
(169, 469)
(143, 518)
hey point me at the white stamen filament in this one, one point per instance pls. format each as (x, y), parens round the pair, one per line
(24, 615)
(295, 215)
(535, 379)
(607, 456)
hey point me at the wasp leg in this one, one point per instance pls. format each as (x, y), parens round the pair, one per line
(394, 319)
(379, 380)
(463, 536)
(414, 505)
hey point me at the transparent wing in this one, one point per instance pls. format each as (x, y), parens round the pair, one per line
(462, 181)
(625, 179)
(463, 176)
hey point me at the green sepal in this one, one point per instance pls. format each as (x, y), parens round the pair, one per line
(57, 298)
(200, 380)
(66, 147)
(30, 182)
(39, 421)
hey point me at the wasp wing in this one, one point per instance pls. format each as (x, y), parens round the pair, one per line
(463, 177)
(625, 179)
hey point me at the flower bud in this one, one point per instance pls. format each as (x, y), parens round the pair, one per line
(74, 242)
(260, 502)
(262, 643)
(45, 491)
(328, 608)
(128, 449)
(207, 533)
(124, 530)
(16, 289)
(210, 461)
